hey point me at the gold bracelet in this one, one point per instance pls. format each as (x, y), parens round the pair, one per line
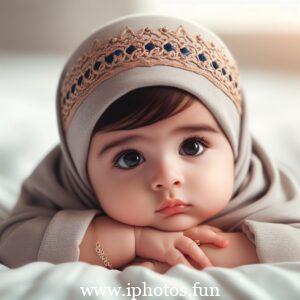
(103, 257)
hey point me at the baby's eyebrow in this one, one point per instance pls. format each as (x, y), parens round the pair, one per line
(182, 129)
(197, 127)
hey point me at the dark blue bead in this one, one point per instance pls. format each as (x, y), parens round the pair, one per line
(223, 71)
(215, 64)
(73, 88)
(118, 52)
(68, 95)
(185, 51)
(79, 81)
(230, 78)
(130, 49)
(150, 46)
(168, 47)
(109, 59)
(97, 65)
(202, 57)
(87, 73)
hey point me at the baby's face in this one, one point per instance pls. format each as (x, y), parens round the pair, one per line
(134, 171)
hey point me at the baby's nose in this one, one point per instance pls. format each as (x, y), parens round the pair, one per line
(167, 180)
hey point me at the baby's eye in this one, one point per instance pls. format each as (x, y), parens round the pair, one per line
(191, 147)
(129, 159)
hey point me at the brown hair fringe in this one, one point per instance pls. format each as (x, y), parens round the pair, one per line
(142, 107)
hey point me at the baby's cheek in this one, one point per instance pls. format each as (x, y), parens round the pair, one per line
(211, 191)
(130, 206)
(223, 193)
(221, 187)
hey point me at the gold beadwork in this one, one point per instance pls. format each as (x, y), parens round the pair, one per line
(102, 256)
(171, 48)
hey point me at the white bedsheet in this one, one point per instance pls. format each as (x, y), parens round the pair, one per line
(41, 280)
(28, 131)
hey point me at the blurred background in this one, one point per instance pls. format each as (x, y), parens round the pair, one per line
(37, 37)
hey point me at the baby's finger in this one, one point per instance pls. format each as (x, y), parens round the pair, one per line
(174, 257)
(208, 227)
(215, 229)
(189, 247)
(206, 236)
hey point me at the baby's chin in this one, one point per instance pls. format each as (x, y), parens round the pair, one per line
(178, 222)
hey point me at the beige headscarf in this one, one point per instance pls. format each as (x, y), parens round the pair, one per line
(57, 203)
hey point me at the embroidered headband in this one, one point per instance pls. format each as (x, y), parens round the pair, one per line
(147, 47)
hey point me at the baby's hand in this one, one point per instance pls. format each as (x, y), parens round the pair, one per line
(206, 234)
(170, 247)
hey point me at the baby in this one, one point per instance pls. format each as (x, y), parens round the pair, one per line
(155, 165)
(171, 175)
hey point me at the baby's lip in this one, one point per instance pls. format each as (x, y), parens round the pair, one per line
(170, 203)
